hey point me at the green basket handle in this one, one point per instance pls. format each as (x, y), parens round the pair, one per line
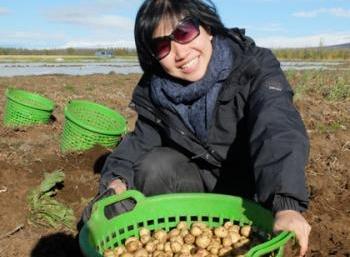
(271, 245)
(99, 207)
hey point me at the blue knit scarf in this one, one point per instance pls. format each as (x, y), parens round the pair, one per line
(195, 102)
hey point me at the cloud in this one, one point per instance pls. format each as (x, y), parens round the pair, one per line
(4, 11)
(90, 17)
(99, 44)
(26, 35)
(305, 41)
(270, 27)
(96, 22)
(338, 12)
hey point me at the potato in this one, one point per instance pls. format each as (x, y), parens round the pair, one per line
(221, 232)
(235, 237)
(119, 250)
(144, 232)
(184, 255)
(175, 247)
(245, 230)
(167, 247)
(201, 253)
(241, 242)
(174, 232)
(216, 240)
(133, 238)
(158, 253)
(196, 231)
(141, 253)
(234, 228)
(126, 254)
(151, 246)
(160, 235)
(186, 248)
(160, 246)
(133, 246)
(182, 225)
(189, 239)
(108, 253)
(178, 239)
(145, 239)
(228, 224)
(184, 232)
(224, 251)
(203, 241)
(213, 249)
(199, 224)
(227, 241)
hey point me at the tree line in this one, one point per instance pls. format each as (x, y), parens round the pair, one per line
(319, 53)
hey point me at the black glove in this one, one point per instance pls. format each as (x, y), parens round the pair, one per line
(111, 210)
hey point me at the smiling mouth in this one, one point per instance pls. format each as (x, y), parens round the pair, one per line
(189, 64)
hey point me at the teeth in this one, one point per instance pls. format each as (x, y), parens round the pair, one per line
(189, 64)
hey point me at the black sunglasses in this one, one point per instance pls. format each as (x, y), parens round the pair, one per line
(185, 31)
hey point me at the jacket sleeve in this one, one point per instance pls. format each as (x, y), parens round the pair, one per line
(279, 144)
(119, 164)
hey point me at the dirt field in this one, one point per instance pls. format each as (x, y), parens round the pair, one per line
(25, 154)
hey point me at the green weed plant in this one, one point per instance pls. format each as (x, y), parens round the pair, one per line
(45, 210)
(330, 85)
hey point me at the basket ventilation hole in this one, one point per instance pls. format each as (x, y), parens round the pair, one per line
(131, 227)
(183, 218)
(205, 218)
(194, 218)
(161, 220)
(171, 219)
(150, 222)
(121, 231)
(216, 219)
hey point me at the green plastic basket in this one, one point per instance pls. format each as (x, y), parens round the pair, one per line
(24, 108)
(166, 211)
(87, 124)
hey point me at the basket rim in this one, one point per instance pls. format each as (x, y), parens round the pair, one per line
(48, 101)
(118, 131)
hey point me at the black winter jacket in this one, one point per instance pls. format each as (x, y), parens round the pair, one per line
(256, 130)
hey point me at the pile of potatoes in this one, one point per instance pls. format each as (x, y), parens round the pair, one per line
(198, 240)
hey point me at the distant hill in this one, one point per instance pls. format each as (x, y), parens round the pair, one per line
(346, 45)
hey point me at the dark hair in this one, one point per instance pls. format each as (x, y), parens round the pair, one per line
(152, 12)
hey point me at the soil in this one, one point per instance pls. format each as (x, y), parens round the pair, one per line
(27, 153)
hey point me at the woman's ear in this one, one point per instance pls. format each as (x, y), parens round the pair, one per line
(208, 30)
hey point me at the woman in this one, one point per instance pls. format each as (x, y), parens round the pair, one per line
(215, 114)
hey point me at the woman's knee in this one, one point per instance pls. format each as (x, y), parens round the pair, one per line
(165, 170)
(157, 164)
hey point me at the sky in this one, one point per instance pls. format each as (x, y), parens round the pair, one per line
(47, 24)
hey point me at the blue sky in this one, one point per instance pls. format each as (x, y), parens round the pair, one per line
(109, 23)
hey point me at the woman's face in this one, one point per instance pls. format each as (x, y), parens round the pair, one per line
(186, 61)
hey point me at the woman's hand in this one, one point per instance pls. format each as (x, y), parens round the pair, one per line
(118, 186)
(290, 220)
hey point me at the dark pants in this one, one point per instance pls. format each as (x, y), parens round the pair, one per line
(165, 170)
